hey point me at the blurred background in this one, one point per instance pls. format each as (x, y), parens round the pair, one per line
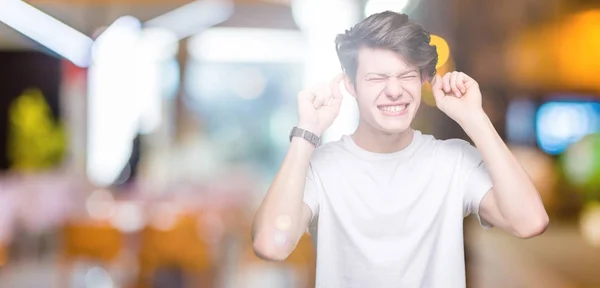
(138, 137)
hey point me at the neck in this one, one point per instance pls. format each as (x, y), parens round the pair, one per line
(377, 141)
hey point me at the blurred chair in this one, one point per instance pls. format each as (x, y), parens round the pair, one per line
(181, 245)
(94, 241)
(302, 261)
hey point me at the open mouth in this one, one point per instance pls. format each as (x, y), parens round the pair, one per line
(394, 109)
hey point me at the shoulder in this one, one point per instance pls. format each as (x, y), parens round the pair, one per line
(461, 150)
(327, 150)
(455, 144)
(453, 152)
(323, 157)
(447, 147)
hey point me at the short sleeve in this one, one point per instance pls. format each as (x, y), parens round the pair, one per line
(311, 193)
(476, 181)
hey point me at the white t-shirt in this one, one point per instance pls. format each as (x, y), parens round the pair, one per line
(393, 220)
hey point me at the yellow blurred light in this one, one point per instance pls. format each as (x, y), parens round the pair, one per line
(589, 224)
(426, 93)
(3, 256)
(560, 55)
(35, 141)
(443, 49)
(577, 50)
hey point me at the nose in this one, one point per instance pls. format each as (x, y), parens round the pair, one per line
(394, 89)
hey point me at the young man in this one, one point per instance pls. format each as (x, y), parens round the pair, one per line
(385, 205)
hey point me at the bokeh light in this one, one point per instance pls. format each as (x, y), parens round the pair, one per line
(443, 50)
(581, 164)
(590, 223)
(542, 170)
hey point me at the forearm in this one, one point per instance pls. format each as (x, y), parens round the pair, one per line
(284, 201)
(516, 197)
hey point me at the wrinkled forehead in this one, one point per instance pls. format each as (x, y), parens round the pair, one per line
(381, 61)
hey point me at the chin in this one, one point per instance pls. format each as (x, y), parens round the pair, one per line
(393, 125)
(394, 130)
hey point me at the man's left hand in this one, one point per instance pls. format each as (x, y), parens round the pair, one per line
(457, 95)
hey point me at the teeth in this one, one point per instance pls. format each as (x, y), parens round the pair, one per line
(396, 108)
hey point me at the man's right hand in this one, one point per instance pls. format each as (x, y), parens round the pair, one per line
(318, 106)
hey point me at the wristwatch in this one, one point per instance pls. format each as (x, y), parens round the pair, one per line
(306, 135)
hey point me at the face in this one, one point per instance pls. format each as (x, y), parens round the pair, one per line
(388, 90)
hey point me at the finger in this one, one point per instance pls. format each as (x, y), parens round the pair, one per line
(436, 87)
(460, 82)
(446, 83)
(306, 95)
(467, 77)
(328, 95)
(334, 106)
(336, 103)
(469, 82)
(321, 96)
(453, 86)
(436, 83)
(335, 86)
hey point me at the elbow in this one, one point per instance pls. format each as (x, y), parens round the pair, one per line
(533, 228)
(267, 250)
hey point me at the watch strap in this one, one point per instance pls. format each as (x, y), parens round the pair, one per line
(306, 135)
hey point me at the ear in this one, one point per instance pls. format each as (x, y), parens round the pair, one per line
(349, 85)
(424, 79)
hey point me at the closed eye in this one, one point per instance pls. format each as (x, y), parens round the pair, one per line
(409, 77)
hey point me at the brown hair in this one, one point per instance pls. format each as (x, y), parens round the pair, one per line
(392, 31)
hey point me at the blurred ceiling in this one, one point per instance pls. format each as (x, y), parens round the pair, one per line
(479, 32)
(87, 16)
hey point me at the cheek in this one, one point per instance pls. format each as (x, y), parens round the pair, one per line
(366, 95)
(414, 89)
(365, 99)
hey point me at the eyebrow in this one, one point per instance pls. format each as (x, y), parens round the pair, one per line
(390, 75)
